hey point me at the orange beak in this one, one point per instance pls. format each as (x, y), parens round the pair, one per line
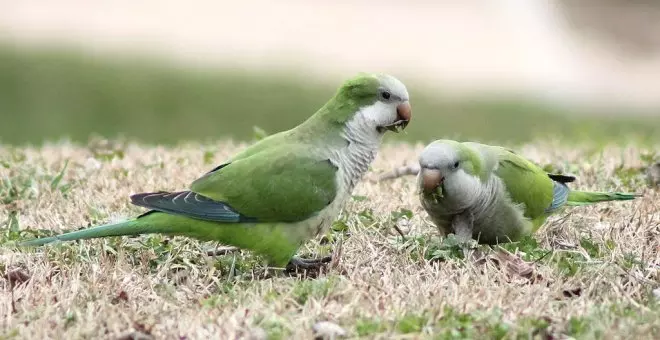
(403, 115)
(431, 179)
(404, 111)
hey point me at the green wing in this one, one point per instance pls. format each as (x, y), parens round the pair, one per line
(526, 183)
(273, 185)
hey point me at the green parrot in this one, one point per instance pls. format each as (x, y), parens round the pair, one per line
(285, 189)
(489, 193)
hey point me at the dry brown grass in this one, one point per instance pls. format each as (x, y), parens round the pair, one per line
(596, 281)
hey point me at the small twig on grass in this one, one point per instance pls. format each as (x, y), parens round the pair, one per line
(405, 170)
(219, 251)
(396, 227)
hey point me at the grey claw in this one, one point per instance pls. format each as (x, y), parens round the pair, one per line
(307, 264)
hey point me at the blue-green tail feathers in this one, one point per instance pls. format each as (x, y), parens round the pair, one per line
(133, 227)
(277, 243)
(577, 198)
(562, 195)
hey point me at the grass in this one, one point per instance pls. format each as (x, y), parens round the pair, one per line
(589, 273)
(48, 93)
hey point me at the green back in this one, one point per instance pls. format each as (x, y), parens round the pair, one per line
(324, 126)
(526, 183)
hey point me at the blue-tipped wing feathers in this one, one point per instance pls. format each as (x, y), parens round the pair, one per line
(190, 204)
(560, 191)
(528, 184)
(559, 196)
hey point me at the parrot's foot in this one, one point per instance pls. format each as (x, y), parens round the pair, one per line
(297, 263)
(463, 224)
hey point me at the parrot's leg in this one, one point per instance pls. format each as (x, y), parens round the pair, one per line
(462, 225)
(307, 264)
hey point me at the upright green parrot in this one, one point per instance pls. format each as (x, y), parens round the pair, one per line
(285, 189)
(490, 193)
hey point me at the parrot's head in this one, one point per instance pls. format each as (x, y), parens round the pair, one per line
(375, 102)
(447, 172)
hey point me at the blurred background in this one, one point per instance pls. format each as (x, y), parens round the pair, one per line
(160, 71)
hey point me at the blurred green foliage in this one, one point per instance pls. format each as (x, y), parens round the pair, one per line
(48, 94)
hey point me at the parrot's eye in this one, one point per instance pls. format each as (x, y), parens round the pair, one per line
(455, 166)
(386, 95)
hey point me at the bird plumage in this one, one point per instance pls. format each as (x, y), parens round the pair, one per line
(285, 189)
(504, 195)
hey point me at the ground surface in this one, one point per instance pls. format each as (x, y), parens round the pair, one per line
(591, 270)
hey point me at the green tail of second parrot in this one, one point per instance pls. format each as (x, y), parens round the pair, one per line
(576, 198)
(131, 227)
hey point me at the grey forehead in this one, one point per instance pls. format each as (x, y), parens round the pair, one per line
(437, 154)
(394, 85)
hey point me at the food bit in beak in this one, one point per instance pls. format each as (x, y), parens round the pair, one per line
(403, 114)
(431, 180)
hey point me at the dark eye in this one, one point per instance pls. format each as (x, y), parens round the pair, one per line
(456, 164)
(386, 95)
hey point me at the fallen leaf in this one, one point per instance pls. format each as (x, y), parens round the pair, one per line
(16, 276)
(514, 266)
(573, 292)
(122, 296)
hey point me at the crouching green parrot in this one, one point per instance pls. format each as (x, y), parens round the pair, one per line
(285, 189)
(490, 193)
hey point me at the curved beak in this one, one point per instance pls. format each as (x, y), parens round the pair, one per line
(431, 179)
(403, 114)
(404, 111)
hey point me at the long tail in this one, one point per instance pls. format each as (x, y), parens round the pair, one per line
(136, 226)
(586, 197)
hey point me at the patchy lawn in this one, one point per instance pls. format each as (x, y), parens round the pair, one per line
(590, 272)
